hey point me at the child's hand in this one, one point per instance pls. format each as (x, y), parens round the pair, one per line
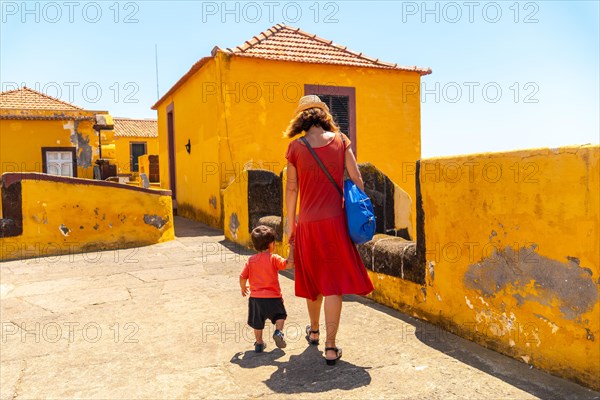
(245, 291)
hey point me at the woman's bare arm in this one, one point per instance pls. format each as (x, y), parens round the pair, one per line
(291, 198)
(353, 171)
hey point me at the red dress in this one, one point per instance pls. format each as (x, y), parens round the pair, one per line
(326, 259)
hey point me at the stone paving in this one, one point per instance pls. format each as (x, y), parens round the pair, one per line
(168, 321)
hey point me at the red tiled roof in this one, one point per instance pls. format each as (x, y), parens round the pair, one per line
(125, 127)
(285, 43)
(29, 99)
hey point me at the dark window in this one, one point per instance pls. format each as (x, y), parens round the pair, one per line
(338, 105)
(137, 149)
(341, 101)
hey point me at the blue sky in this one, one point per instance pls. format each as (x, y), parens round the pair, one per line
(506, 75)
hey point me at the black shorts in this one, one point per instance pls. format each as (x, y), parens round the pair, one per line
(259, 310)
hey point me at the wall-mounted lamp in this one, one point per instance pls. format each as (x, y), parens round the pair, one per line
(188, 147)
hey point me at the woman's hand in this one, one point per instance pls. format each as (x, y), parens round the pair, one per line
(291, 232)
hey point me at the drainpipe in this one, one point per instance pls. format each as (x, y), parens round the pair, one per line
(103, 122)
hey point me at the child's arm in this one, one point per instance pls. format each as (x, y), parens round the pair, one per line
(245, 290)
(244, 280)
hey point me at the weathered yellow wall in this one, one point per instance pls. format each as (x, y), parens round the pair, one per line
(235, 209)
(93, 217)
(22, 142)
(513, 257)
(235, 109)
(123, 151)
(197, 118)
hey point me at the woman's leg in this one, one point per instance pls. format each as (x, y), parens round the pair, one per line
(333, 310)
(314, 313)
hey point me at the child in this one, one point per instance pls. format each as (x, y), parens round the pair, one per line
(265, 294)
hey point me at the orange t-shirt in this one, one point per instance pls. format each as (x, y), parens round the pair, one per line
(261, 270)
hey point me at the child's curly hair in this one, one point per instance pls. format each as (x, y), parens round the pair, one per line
(307, 118)
(262, 237)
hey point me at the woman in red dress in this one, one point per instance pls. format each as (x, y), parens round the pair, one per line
(326, 260)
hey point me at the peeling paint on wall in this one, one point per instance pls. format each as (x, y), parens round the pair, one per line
(589, 335)
(568, 283)
(155, 220)
(234, 225)
(84, 149)
(468, 303)
(213, 202)
(431, 267)
(551, 324)
(64, 230)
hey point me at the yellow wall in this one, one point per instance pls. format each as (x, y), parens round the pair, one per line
(123, 151)
(235, 109)
(113, 216)
(196, 118)
(538, 302)
(22, 142)
(235, 210)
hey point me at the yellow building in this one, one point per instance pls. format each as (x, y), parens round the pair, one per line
(39, 133)
(134, 138)
(229, 110)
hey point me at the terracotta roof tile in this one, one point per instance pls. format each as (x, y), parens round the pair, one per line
(126, 127)
(286, 43)
(29, 99)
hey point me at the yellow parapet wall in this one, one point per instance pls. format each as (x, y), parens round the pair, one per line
(46, 215)
(235, 210)
(512, 255)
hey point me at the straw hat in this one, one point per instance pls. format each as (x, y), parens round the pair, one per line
(310, 101)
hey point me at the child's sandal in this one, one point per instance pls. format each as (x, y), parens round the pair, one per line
(308, 339)
(338, 352)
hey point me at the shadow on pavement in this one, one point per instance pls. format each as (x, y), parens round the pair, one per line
(306, 372)
(189, 228)
(236, 248)
(518, 374)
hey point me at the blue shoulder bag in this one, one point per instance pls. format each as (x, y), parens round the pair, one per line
(359, 209)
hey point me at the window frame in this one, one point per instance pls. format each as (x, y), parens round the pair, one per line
(72, 150)
(349, 91)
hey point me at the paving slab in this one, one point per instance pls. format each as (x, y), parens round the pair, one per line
(168, 321)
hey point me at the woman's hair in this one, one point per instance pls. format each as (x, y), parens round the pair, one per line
(307, 118)
(262, 237)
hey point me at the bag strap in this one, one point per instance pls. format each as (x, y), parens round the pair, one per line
(318, 160)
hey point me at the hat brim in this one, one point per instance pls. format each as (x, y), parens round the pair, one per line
(306, 106)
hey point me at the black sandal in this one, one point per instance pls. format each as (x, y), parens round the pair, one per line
(308, 339)
(338, 352)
